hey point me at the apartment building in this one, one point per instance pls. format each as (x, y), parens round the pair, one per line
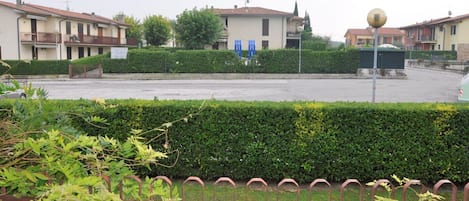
(365, 37)
(270, 29)
(37, 32)
(446, 33)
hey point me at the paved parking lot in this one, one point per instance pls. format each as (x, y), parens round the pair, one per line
(420, 86)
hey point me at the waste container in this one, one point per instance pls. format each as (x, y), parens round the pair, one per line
(387, 58)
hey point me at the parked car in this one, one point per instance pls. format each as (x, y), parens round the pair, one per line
(464, 89)
(13, 94)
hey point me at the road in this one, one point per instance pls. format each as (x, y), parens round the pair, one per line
(420, 86)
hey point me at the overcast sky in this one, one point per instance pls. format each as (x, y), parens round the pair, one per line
(328, 17)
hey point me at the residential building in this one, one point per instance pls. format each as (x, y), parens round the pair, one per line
(423, 35)
(365, 37)
(448, 33)
(37, 32)
(270, 29)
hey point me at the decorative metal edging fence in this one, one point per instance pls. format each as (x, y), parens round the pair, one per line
(261, 185)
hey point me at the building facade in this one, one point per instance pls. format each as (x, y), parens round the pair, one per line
(270, 29)
(365, 37)
(44, 33)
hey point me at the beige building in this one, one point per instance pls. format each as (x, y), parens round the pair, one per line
(270, 29)
(31, 31)
(365, 37)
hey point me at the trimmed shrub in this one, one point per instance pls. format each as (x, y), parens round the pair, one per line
(300, 140)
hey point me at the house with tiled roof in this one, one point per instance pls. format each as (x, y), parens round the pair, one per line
(270, 29)
(447, 33)
(37, 32)
(365, 37)
(422, 35)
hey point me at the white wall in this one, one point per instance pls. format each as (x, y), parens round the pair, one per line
(247, 28)
(8, 34)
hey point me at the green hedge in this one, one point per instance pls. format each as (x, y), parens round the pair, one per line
(300, 140)
(217, 61)
(286, 61)
(36, 67)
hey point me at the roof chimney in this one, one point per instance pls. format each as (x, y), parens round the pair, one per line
(121, 18)
(18, 2)
(235, 6)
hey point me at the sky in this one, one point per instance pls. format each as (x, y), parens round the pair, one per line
(329, 18)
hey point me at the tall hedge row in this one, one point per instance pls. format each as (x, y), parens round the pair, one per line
(302, 140)
(217, 61)
(35, 67)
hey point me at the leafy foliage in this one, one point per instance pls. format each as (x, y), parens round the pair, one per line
(157, 30)
(197, 28)
(427, 196)
(135, 29)
(44, 156)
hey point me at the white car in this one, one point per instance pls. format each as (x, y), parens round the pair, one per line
(13, 94)
(463, 94)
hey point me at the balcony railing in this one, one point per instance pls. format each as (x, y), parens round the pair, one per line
(132, 41)
(92, 40)
(426, 39)
(41, 37)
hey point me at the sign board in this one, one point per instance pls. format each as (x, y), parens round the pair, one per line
(238, 48)
(119, 52)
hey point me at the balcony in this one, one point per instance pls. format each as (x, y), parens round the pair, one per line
(426, 39)
(40, 38)
(80, 39)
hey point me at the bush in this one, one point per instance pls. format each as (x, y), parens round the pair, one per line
(36, 67)
(300, 140)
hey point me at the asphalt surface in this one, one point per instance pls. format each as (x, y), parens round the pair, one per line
(421, 85)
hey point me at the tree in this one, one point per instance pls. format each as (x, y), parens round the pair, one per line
(307, 25)
(197, 28)
(295, 12)
(135, 29)
(157, 30)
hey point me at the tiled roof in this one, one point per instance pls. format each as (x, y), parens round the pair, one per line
(250, 11)
(23, 8)
(426, 23)
(381, 31)
(48, 11)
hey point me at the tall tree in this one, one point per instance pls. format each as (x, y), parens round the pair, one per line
(157, 30)
(197, 28)
(295, 12)
(307, 25)
(135, 29)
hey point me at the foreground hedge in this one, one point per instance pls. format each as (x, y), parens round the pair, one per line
(300, 140)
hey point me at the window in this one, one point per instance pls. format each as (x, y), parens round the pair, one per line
(81, 52)
(89, 51)
(226, 22)
(68, 27)
(34, 53)
(100, 50)
(69, 53)
(0, 52)
(453, 29)
(453, 47)
(265, 27)
(265, 44)
(439, 47)
(88, 29)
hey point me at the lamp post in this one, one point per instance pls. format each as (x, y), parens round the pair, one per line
(299, 29)
(376, 19)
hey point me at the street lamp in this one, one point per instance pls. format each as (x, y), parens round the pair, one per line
(299, 29)
(376, 19)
